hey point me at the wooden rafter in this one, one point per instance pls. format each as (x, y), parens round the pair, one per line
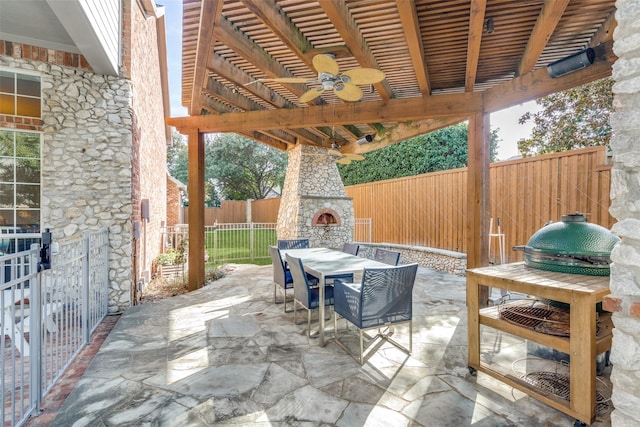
(476, 25)
(409, 18)
(340, 16)
(547, 22)
(210, 14)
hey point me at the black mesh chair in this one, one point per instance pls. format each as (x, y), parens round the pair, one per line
(293, 244)
(383, 299)
(386, 256)
(304, 293)
(351, 248)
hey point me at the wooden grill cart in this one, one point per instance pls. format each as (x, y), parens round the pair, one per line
(581, 293)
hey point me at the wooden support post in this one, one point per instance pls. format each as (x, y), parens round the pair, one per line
(196, 209)
(478, 191)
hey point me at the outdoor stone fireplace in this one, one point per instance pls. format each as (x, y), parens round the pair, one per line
(314, 204)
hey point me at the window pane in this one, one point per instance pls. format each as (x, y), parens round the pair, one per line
(28, 221)
(6, 170)
(28, 85)
(29, 107)
(6, 143)
(6, 195)
(7, 104)
(27, 196)
(27, 145)
(6, 221)
(28, 170)
(7, 80)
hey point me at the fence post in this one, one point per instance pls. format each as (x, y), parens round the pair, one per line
(35, 325)
(86, 328)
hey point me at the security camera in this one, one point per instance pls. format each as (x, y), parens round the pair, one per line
(365, 139)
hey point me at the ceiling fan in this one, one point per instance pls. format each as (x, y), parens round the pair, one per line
(343, 158)
(344, 85)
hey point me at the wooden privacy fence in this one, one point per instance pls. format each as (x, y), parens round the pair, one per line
(430, 209)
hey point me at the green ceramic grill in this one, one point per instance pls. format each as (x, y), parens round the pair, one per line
(571, 246)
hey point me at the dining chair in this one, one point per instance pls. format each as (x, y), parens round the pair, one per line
(304, 293)
(386, 256)
(293, 244)
(384, 298)
(351, 248)
(281, 275)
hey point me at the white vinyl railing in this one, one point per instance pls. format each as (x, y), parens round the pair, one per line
(64, 304)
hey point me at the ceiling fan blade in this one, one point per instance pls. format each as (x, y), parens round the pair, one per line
(348, 92)
(310, 95)
(335, 153)
(354, 156)
(364, 76)
(325, 64)
(344, 161)
(288, 80)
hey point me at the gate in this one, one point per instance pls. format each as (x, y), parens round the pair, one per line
(49, 313)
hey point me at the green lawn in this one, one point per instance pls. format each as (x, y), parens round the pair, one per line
(235, 246)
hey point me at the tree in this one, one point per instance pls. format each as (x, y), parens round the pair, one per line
(243, 169)
(571, 119)
(440, 150)
(236, 168)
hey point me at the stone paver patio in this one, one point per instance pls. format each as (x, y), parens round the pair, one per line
(226, 355)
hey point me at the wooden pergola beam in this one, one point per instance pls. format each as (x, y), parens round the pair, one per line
(476, 25)
(409, 18)
(548, 19)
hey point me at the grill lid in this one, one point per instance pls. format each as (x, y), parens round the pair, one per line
(573, 246)
(573, 236)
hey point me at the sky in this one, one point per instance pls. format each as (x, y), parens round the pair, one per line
(510, 132)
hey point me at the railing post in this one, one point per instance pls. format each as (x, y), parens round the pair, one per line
(35, 325)
(86, 329)
(251, 240)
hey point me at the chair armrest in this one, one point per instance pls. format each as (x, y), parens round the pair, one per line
(346, 300)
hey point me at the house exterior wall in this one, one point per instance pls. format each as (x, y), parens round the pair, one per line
(151, 139)
(174, 202)
(86, 158)
(624, 300)
(103, 147)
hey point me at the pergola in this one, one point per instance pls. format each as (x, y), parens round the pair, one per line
(444, 62)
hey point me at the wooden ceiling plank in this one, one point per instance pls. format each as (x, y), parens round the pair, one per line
(235, 75)
(254, 54)
(274, 18)
(343, 21)
(409, 19)
(548, 19)
(210, 13)
(476, 25)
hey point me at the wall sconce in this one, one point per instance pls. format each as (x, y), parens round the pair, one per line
(575, 62)
(365, 139)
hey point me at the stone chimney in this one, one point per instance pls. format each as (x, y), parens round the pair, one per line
(314, 204)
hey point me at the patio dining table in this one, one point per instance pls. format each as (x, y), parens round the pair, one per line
(325, 262)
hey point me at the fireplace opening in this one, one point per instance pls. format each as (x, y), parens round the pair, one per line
(326, 217)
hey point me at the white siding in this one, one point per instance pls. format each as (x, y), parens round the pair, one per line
(104, 16)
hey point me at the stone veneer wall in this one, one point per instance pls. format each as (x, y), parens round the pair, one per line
(86, 161)
(624, 300)
(313, 183)
(437, 259)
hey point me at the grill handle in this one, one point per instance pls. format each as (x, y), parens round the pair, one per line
(519, 248)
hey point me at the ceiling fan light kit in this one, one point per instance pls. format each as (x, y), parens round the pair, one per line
(344, 85)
